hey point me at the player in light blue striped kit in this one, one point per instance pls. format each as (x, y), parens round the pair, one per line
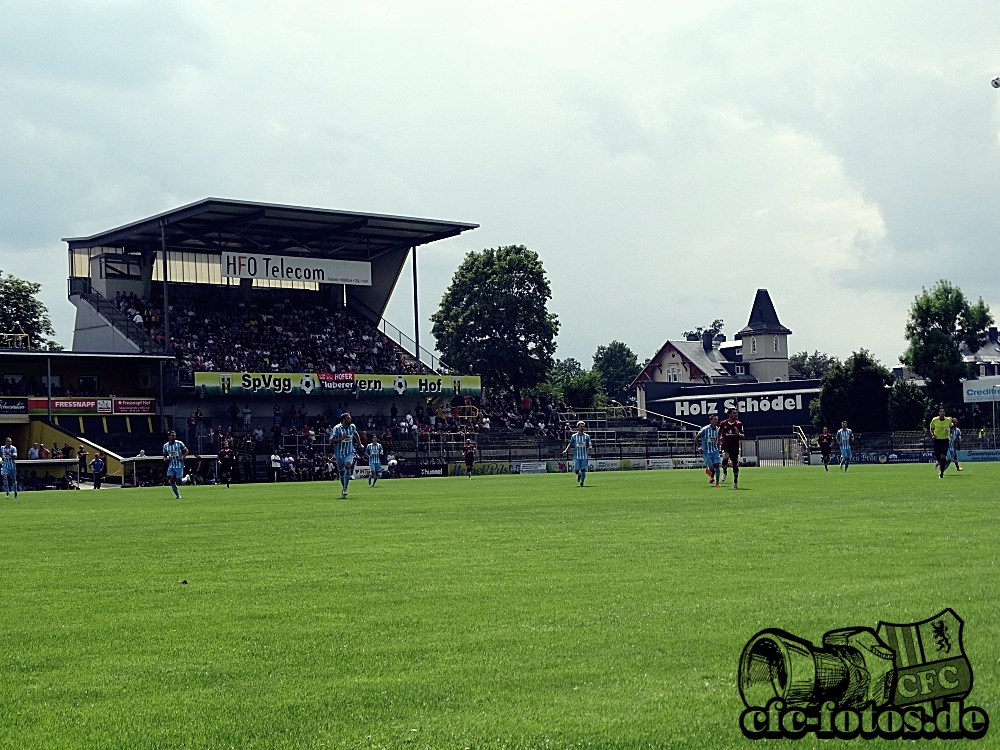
(844, 435)
(374, 461)
(8, 467)
(580, 443)
(709, 437)
(173, 453)
(954, 438)
(345, 435)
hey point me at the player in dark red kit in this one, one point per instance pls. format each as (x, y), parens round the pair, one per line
(825, 442)
(730, 434)
(469, 451)
(227, 462)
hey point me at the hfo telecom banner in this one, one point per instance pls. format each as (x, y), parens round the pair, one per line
(293, 268)
(365, 385)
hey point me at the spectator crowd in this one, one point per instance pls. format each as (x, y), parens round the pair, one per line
(280, 330)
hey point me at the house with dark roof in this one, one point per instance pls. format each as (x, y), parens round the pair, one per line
(987, 359)
(694, 374)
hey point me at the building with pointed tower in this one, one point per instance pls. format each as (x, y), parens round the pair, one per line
(765, 342)
(689, 380)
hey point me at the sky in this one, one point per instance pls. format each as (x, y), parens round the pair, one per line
(664, 159)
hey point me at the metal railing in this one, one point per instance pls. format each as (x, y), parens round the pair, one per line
(595, 420)
(138, 335)
(407, 344)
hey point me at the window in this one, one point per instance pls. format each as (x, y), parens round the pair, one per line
(776, 347)
(753, 344)
(674, 374)
(739, 351)
(982, 370)
(56, 381)
(121, 267)
(88, 384)
(740, 370)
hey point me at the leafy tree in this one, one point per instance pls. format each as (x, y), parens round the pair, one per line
(941, 321)
(812, 365)
(564, 369)
(584, 390)
(494, 318)
(618, 366)
(715, 328)
(857, 390)
(908, 406)
(22, 312)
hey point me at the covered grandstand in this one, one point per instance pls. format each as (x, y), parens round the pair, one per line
(336, 260)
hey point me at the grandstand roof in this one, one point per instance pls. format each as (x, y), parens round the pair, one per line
(215, 225)
(62, 354)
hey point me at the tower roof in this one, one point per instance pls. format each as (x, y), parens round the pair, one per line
(763, 318)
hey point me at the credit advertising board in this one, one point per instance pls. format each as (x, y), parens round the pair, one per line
(291, 268)
(89, 406)
(981, 390)
(364, 385)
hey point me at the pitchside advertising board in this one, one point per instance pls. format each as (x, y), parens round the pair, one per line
(981, 390)
(291, 268)
(79, 406)
(364, 385)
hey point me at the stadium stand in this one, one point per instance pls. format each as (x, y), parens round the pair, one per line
(286, 330)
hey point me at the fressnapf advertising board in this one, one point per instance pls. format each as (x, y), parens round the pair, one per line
(293, 268)
(102, 406)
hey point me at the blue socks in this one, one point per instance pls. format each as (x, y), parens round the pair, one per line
(177, 492)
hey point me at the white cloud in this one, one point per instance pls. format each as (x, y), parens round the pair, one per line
(665, 159)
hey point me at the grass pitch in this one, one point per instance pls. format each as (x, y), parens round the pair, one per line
(448, 613)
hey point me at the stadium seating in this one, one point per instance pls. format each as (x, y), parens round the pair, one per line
(286, 330)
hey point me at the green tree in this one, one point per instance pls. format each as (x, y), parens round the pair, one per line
(618, 366)
(715, 329)
(584, 390)
(564, 369)
(941, 321)
(494, 318)
(857, 390)
(22, 312)
(908, 406)
(812, 365)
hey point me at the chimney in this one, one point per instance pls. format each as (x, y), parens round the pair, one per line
(993, 334)
(720, 338)
(706, 341)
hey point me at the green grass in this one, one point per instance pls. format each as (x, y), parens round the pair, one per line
(502, 612)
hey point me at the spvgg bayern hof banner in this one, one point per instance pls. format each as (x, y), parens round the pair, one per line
(290, 268)
(365, 385)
